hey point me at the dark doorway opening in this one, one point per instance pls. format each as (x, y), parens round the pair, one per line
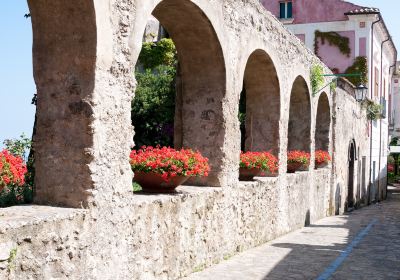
(350, 185)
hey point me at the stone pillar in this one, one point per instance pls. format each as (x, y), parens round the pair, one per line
(83, 109)
(64, 57)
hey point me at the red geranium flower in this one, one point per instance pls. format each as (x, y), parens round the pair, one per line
(12, 170)
(169, 162)
(322, 157)
(298, 157)
(259, 160)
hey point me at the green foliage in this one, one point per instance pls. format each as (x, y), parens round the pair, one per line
(334, 39)
(242, 117)
(199, 268)
(333, 86)
(317, 78)
(153, 108)
(374, 111)
(393, 178)
(394, 141)
(136, 187)
(19, 146)
(11, 258)
(162, 52)
(227, 257)
(15, 195)
(360, 66)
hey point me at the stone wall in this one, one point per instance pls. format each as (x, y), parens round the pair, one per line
(346, 130)
(84, 58)
(39, 242)
(169, 236)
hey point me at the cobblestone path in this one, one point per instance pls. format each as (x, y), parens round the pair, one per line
(362, 245)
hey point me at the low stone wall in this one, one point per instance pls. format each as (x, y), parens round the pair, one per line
(169, 236)
(39, 242)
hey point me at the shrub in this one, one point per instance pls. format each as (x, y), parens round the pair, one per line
(259, 160)
(13, 189)
(169, 162)
(158, 53)
(322, 157)
(19, 146)
(153, 108)
(12, 170)
(299, 157)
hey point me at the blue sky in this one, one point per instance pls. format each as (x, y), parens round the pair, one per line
(17, 85)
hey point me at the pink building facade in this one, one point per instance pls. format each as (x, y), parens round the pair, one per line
(363, 34)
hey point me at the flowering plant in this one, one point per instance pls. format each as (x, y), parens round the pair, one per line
(298, 157)
(259, 160)
(12, 170)
(322, 157)
(169, 162)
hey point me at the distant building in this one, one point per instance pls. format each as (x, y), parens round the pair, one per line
(345, 36)
(394, 103)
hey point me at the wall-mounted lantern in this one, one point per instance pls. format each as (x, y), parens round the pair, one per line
(361, 92)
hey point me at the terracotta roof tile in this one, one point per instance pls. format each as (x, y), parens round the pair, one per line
(363, 10)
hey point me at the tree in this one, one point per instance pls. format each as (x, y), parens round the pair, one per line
(153, 108)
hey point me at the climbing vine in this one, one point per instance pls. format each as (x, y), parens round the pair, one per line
(359, 66)
(374, 111)
(317, 78)
(333, 38)
(333, 86)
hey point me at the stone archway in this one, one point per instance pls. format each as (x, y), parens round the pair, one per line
(323, 123)
(299, 130)
(262, 96)
(83, 68)
(202, 81)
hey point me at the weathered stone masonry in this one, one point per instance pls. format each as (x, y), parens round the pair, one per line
(84, 56)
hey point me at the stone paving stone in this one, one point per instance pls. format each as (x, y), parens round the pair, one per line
(306, 253)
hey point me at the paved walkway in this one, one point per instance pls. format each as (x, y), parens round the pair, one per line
(362, 245)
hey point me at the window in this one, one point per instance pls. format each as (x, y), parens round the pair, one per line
(376, 84)
(286, 9)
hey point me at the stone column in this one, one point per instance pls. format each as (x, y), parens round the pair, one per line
(83, 108)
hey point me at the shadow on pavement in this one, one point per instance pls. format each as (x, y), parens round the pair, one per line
(377, 256)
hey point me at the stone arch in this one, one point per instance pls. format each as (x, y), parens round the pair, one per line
(201, 81)
(299, 129)
(83, 68)
(323, 123)
(262, 95)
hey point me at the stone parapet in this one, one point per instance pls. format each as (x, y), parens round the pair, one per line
(168, 236)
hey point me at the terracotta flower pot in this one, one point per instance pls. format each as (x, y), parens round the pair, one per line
(154, 183)
(246, 174)
(321, 165)
(292, 167)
